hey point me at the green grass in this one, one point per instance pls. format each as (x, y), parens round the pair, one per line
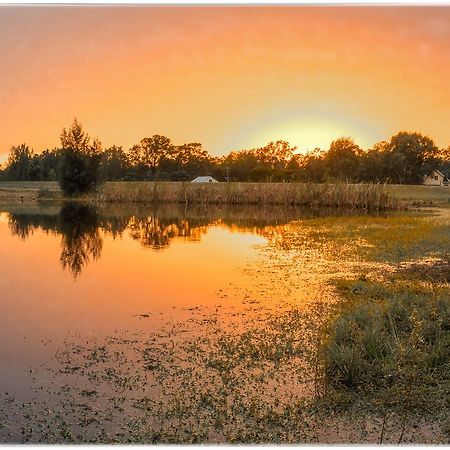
(389, 346)
(421, 194)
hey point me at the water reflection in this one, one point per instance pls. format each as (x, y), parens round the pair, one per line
(81, 240)
(82, 227)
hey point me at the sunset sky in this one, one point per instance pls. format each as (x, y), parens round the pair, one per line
(229, 77)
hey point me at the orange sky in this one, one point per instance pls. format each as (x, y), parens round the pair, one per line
(229, 77)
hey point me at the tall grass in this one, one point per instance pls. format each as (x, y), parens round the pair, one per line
(360, 196)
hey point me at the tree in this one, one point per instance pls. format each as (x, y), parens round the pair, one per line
(49, 162)
(411, 156)
(239, 164)
(35, 169)
(444, 161)
(18, 164)
(311, 166)
(193, 160)
(75, 138)
(343, 160)
(275, 154)
(150, 152)
(114, 164)
(80, 161)
(374, 163)
(188, 152)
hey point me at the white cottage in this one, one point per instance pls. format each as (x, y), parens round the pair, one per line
(435, 178)
(207, 179)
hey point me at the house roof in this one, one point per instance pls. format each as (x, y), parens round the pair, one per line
(437, 171)
(203, 179)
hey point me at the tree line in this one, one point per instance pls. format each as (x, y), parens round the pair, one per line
(80, 162)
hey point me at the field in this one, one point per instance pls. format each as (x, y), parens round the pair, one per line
(13, 190)
(241, 193)
(425, 194)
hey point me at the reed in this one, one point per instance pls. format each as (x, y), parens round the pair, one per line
(357, 196)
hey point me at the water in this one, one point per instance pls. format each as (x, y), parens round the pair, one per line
(133, 306)
(71, 270)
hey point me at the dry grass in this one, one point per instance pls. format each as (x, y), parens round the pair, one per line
(360, 196)
(27, 190)
(344, 195)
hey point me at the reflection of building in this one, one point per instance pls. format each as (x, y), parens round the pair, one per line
(435, 178)
(207, 179)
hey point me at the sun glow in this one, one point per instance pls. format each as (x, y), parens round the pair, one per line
(307, 135)
(215, 75)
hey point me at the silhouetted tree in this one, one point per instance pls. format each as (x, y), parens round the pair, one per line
(150, 152)
(342, 160)
(374, 162)
(239, 164)
(80, 161)
(312, 166)
(410, 156)
(113, 164)
(444, 161)
(49, 163)
(35, 169)
(18, 164)
(275, 155)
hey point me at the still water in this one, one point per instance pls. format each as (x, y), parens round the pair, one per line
(111, 316)
(73, 270)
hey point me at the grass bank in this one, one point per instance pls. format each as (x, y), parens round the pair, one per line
(361, 196)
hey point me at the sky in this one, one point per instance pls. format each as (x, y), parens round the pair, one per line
(228, 77)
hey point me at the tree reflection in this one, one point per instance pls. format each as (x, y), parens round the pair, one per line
(83, 227)
(78, 225)
(157, 233)
(23, 224)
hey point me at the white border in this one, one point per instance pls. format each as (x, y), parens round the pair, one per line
(231, 2)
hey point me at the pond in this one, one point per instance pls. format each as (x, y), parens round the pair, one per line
(106, 311)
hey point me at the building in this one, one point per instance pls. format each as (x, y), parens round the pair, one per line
(207, 179)
(435, 178)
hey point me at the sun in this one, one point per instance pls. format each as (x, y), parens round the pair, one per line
(308, 134)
